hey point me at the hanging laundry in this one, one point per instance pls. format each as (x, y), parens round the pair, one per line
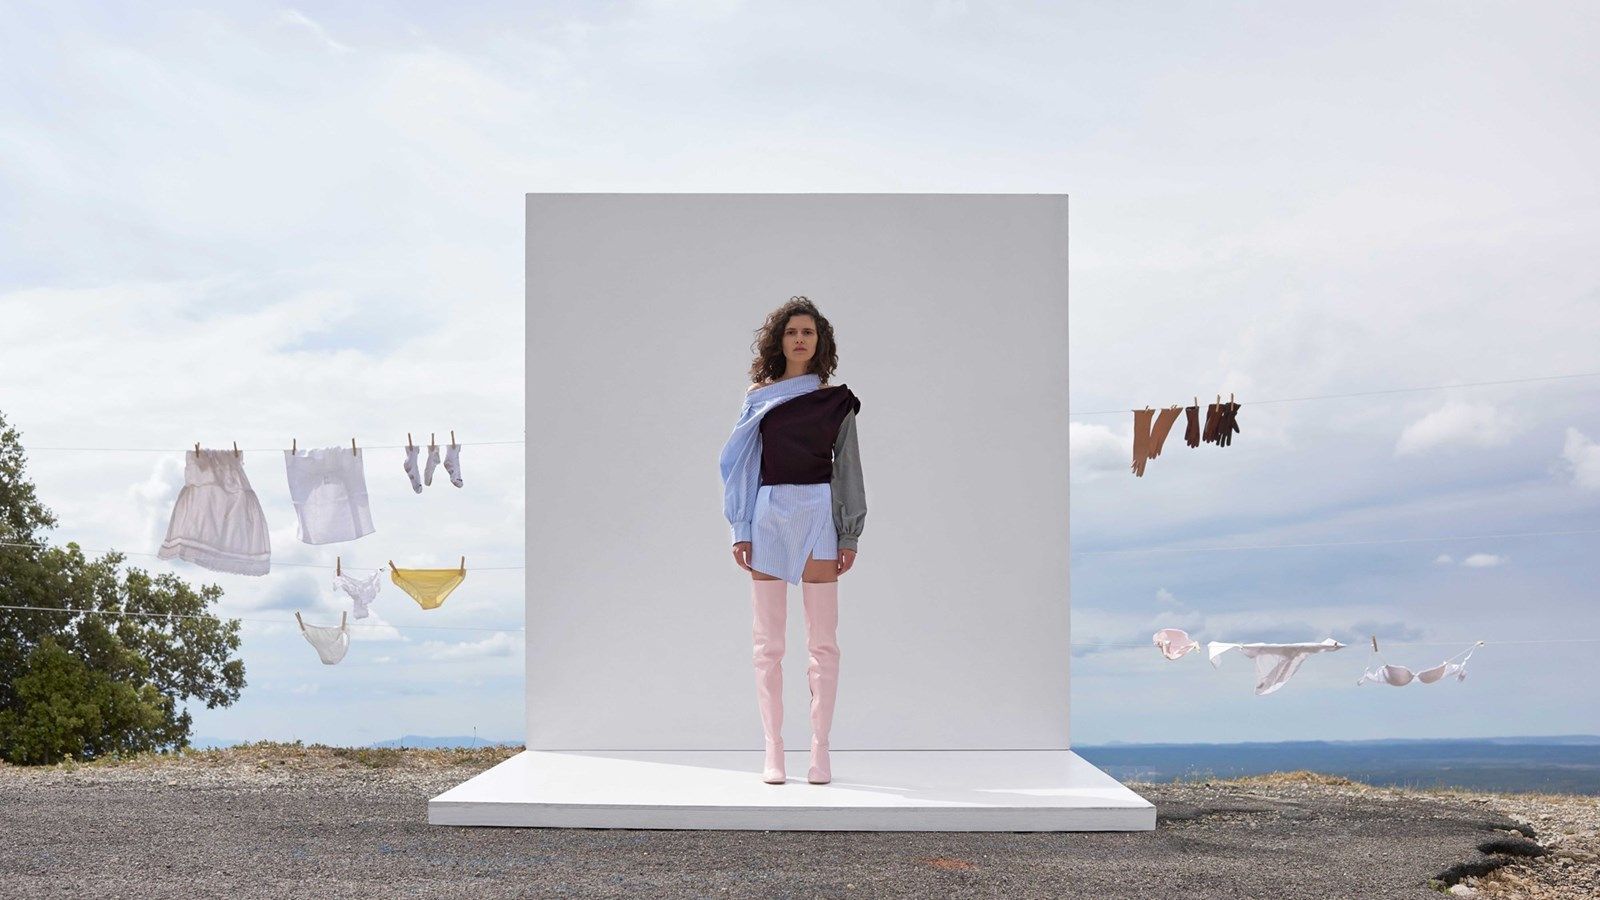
(1191, 431)
(329, 488)
(329, 642)
(433, 463)
(1147, 438)
(1275, 663)
(1174, 642)
(428, 587)
(452, 464)
(1227, 423)
(217, 522)
(362, 591)
(1213, 416)
(410, 466)
(1400, 676)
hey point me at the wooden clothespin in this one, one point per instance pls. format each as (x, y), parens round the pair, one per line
(353, 447)
(433, 440)
(1374, 643)
(294, 446)
(236, 449)
(452, 439)
(392, 565)
(196, 448)
(1230, 399)
(463, 564)
(300, 620)
(336, 566)
(1197, 403)
(409, 445)
(342, 615)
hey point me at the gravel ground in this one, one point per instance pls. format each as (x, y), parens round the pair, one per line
(288, 821)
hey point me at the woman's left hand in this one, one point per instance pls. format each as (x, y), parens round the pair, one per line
(847, 558)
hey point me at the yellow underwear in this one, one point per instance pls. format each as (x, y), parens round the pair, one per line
(428, 587)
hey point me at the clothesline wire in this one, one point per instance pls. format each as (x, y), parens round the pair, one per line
(344, 566)
(1097, 412)
(1431, 387)
(155, 615)
(265, 449)
(1377, 542)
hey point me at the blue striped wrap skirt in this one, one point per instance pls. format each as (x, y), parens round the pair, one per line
(791, 522)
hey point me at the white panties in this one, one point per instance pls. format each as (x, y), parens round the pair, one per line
(1275, 663)
(361, 590)
(329, 642)
(1400, 676)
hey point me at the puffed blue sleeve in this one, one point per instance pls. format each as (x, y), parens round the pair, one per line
(740, 463)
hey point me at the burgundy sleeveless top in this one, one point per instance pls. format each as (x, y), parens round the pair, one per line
(797, 436)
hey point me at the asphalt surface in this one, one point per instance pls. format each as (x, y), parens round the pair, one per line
(167, 833)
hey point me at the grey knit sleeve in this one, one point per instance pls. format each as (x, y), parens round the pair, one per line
(849, 492)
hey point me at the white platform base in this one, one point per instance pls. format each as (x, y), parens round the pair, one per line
(872, 790)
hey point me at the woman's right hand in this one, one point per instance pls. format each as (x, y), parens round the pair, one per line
(741, 555)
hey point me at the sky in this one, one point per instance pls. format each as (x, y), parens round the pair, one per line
(254, 222)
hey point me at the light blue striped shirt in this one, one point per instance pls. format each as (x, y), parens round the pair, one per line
(740, 460)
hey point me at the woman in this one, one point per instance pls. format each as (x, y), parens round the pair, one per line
(793, 494)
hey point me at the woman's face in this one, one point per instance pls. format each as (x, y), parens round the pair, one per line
(800, 339)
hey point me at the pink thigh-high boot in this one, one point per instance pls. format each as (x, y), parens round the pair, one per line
(769, 603)
(822, 625)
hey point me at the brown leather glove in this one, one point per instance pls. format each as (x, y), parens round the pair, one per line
(1227, 424)
(1213, 414)
(1141, 439)
(1191, 432)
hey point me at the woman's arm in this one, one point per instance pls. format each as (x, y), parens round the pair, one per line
(849, 491)
(740, 463)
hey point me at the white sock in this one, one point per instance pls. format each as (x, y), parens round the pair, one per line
(411, 468)
(452, 464)
(433, 463)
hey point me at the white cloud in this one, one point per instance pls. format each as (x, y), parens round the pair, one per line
(1457, 422)
(501, 643)
(1443, 559)
(1097, 450)
(1484, 561)
(1582, 458)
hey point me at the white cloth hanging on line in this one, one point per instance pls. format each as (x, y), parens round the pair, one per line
(362, 591)
(329, 488)
(329, 642)
(217, 522)
(1400, 676)
(1174, 642)
(1275, 663)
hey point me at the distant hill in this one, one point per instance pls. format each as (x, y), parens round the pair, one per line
(1566, 764)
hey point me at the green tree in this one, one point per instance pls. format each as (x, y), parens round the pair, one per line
(110, 676)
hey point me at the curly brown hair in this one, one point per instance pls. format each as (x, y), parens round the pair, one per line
(770, 364)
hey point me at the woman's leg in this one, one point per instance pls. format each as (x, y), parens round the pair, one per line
(769, 605)
(820, 590)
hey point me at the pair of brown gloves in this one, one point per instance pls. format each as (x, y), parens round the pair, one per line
(1222, 423)
(1148, 436)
